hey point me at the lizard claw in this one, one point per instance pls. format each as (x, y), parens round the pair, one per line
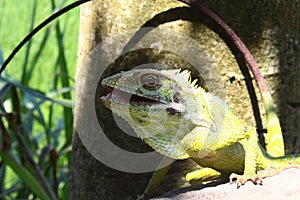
(242, 179)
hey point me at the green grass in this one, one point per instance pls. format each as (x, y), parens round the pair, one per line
(15, 23)
(47, 64)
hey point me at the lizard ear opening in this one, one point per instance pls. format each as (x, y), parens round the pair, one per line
(175, 109)
(171, 111)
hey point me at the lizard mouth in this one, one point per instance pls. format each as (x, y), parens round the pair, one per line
(119, 96)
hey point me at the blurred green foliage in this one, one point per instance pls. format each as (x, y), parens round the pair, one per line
(36, 93)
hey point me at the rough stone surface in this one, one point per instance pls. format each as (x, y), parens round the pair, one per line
(285, 185)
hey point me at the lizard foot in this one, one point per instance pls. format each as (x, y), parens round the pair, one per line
(203, 174)
(242, 179)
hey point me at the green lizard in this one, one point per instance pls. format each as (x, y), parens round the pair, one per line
(178, 119)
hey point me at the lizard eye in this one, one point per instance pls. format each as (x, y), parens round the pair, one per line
(150, 81)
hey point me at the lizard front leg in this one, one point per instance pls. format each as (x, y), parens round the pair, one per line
(251, 153)
(198, 140)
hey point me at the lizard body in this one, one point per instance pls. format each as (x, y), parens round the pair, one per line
(179, 119)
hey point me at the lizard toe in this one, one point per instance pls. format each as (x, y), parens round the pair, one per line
(242, 179)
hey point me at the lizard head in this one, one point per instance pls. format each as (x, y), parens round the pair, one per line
(145, 89)
(158, 104)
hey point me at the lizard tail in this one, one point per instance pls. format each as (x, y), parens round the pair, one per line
(283, 162)
(278, 163)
